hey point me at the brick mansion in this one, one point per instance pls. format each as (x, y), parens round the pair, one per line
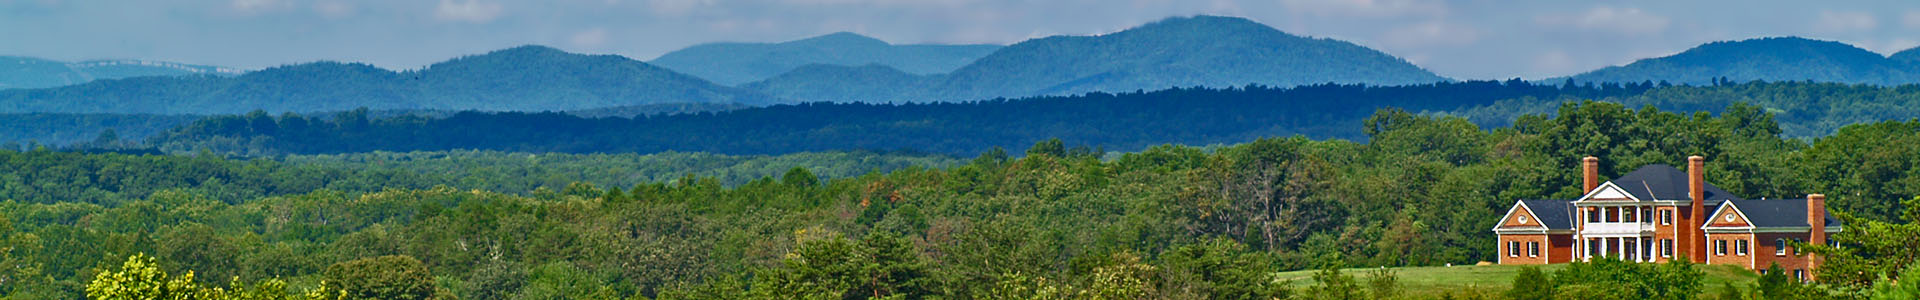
(1658, 213)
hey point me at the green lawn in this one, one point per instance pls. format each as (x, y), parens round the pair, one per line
(1495, 278)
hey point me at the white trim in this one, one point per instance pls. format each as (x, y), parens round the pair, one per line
(1603, 187)
(1509, 214)
(1497, 228)
(1532, 231)
(1716, 213)
(1752, 229)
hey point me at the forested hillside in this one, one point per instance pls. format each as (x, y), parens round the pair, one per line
(738, 63)
(527, 78)
(57, 130)
(1803, 110)
(1166, 222)
(1769, 59)
(18, 72)
(1128, 121)
(1200, 51)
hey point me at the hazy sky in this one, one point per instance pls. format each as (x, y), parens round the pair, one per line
(1460, 39)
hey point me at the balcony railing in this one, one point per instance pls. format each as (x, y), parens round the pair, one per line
(1617, 228)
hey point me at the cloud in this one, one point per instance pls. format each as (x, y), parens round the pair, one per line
(1367, 8)
(333, 9)
(255, 7)
(474, 11)
(1626, 21)
(591, 38)
(1835, 21)
(1431, 34)
(1554, 62)
(1911, 19)
(676, 7)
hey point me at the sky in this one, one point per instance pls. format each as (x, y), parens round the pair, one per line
(1468, 39)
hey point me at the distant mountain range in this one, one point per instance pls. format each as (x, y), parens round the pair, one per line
(1176, 52)
(1204, 51)
(17, 72)
(1770, 59)
(738, 63)
(527, 78)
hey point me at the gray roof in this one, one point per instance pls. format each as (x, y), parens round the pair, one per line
(1779, 213)
(1664, 182)
(1555, 214)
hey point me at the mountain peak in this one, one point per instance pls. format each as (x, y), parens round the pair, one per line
(1782, 45)
(1205, 24)
(526, 50)
(842, 38)
(1768, 58)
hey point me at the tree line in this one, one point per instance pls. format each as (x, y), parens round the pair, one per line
(1131, 121)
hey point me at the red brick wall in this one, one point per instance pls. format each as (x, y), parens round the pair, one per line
(1764, 251)
(1521, 258)
(1667, 231)
(1562, 247)
(1733, 257)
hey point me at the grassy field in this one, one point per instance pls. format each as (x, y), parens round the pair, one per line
(1494, 279)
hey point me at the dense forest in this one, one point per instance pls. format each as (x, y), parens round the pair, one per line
(1195, 116)
(22, 131)
(108, 179)
(1803, 109)
(1129, 121)
(1051, 222)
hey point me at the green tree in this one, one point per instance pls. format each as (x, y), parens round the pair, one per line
(1330, 284)
(141, 278)
(1889, 289)
(384, 277)
(1530, 284)
(1050, 147)
(1222, 269)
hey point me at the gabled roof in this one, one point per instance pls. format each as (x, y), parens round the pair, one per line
(1779, 213)
(1663, 182)
(1555, 214)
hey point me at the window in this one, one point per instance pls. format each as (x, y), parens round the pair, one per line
(1513, 249)
(1666, 248)
(1646, 215)
(1666, 217)
(1533, 249)
(1594, 247)
(1613, 214)
(1796, 250)
(1593, 215)
(1740, 247)
(1779, 247)
(1646, 250)
(1627, 214)
(1628, 246)
(1800, 274)
(1720, 247)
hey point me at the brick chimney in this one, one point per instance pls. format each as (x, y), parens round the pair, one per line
(1817, 219)
(1697, 190)
(1590, 168)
